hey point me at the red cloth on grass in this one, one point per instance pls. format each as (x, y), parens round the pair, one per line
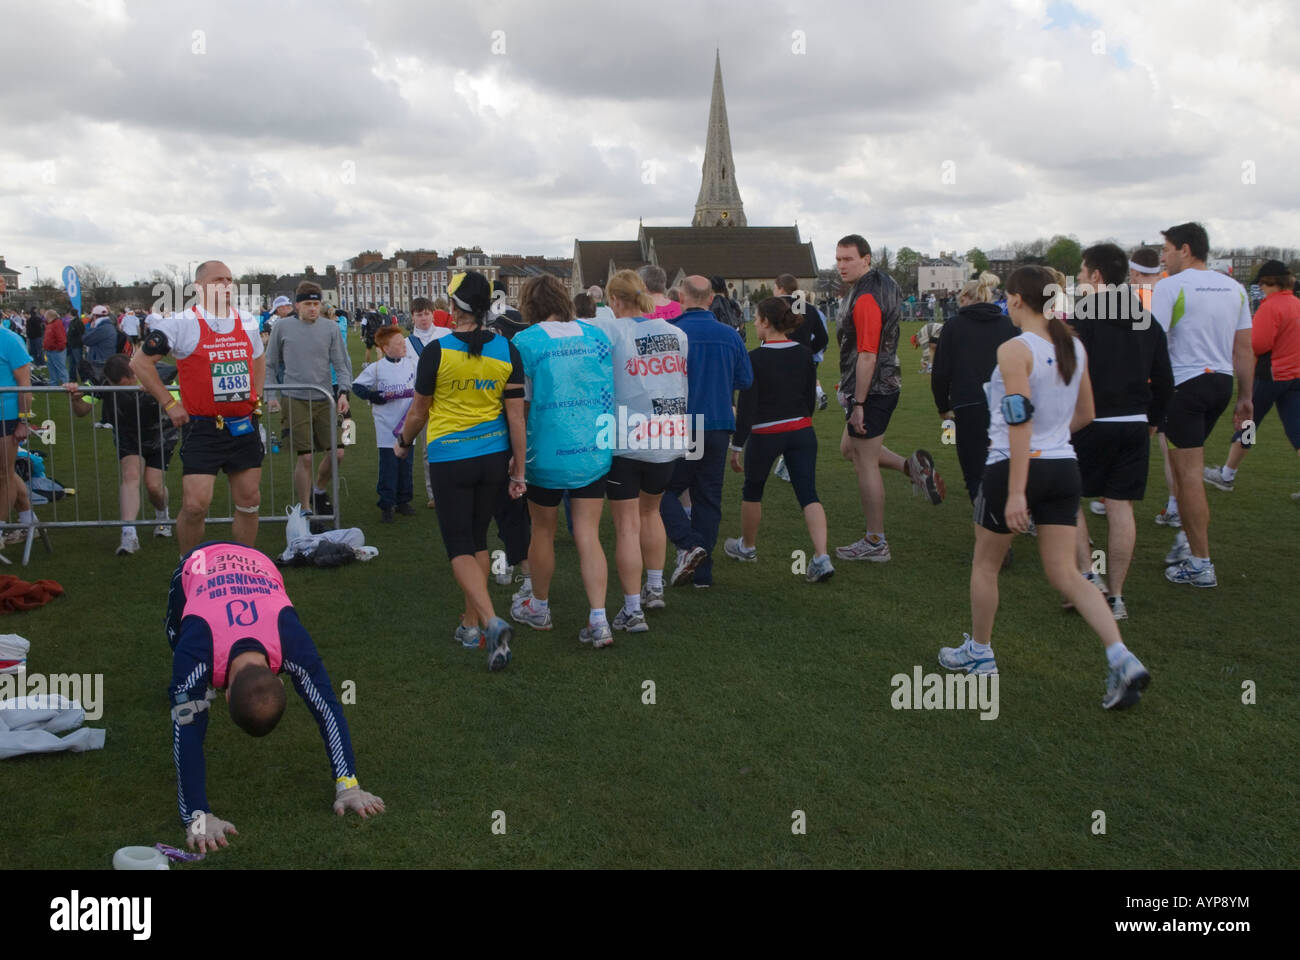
(17, 595)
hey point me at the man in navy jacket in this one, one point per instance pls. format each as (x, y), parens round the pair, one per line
(717, 367)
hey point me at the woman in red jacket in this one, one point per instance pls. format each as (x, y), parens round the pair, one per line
(56, 347)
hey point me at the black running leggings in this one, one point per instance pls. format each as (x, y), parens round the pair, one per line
(800, 450)
(972, 423)
(467, 494)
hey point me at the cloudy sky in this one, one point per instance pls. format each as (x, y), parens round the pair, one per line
(276, 134)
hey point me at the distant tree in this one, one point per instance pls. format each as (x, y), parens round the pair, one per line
(97, 283)
(978, 261)
(881, 259)
(1065, 254)
(906, 263)
(758, 296)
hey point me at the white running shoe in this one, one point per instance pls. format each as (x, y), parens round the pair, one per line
(687, 561)
(864, 549)
(1117, 608)
(735, 548)
(1180, 551)
(130, 542)
(820, 570)
(652, 599)
(506, 576)
(780, 471)
(1166, 519)
(1215, 478)
(524, 592)
(598, 637)
(965, 659)
(1197, 576)
(525, 612)
(1125, 683)
(1098, 507)
(631, 622)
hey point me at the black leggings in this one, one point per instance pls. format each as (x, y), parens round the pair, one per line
(467, 493)
(972, 444)
(514, 526)
(800, 450)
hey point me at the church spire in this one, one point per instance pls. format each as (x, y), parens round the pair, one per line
(719, 203)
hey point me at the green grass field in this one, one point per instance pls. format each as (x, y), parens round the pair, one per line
(772, 695)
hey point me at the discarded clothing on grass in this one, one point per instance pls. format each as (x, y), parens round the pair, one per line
(13, 653)
(16, 595)
(32, 724)
(329, 549)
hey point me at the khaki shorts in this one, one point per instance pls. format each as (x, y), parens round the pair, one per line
(309, 424)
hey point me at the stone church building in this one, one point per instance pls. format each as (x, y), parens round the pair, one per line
(719, 241)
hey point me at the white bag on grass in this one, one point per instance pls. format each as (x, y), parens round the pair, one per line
(297, 527)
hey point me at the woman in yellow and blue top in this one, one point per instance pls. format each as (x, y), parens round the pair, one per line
(469, 400)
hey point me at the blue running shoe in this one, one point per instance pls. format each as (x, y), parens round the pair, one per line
(499, 636)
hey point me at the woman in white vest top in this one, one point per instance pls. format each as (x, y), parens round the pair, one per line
(1039, 394)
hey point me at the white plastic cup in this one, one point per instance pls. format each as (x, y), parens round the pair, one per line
(140, 858)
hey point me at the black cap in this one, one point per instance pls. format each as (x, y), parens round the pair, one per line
(1271, 269)
(719, 285)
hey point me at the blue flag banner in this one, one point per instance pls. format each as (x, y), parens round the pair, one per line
(72, 286)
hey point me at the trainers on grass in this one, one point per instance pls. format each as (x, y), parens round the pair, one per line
(920, 470)
(598, 637)
(1184, 572)
(1117, 608)
(864, 549)
(1215, 478)
(524, 611)
(735, 548)
(820, 570)
(631, 622)
(1167, 519)
(499, 635)
(687, 561)
(468, 637)
(1180, 551)
(965, 659)
(652, 599)
(1125, 683)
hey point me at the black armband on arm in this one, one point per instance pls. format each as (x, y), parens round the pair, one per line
(155, 344)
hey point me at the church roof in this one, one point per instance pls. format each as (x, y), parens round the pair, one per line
(596, 254)
(751, 259)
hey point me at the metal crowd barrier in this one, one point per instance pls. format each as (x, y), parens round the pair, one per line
(66, 452)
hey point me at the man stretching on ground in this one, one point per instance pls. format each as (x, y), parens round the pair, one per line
(231, 627)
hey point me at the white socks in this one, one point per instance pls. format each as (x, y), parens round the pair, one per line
(654, 579)
(1115, 653)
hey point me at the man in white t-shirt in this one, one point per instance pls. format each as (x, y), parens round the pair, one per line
(131, 327)
(221, 372)
(1206, 316)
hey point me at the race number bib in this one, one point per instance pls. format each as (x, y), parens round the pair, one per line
(230, 381)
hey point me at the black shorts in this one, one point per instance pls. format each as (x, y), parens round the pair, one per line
(369, 340)
(1113, 459)
(546, 497)
(466, 493)
(7, 427)
(876, 413)
(207, 450)
(628, 479)
(1051, 491)
(1195, 408)
(156, 457)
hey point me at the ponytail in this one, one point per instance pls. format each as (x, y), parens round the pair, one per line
(1063, 340)
(1039, 288)
(474, 339)
(627, 286)
(777, 312)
